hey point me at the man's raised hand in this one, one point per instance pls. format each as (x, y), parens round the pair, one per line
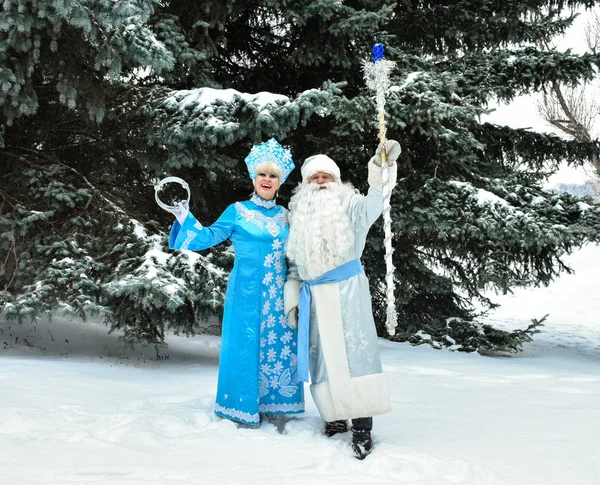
(392, 150)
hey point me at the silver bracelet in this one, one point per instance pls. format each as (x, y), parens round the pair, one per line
(164, 181)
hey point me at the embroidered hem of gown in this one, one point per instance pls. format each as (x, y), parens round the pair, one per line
(237, 415)
(247, 418)
(297, 407)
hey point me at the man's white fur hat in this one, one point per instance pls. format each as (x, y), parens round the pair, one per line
(319, 163)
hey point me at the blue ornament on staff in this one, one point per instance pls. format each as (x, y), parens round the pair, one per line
(377, 77)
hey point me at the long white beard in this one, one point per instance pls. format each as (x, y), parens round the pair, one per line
(321, 235)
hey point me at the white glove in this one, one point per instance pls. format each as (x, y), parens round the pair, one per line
(392, 150)
(292, 318)
(181, 211)
(291, 295)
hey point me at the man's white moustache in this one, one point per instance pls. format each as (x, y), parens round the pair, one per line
(325, 185)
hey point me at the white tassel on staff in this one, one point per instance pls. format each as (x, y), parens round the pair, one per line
(377, 77)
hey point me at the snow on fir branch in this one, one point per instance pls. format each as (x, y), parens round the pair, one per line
(483, 196)
(223, 116)
(203, 97)
(156, 258)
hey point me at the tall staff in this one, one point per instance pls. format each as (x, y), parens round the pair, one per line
(377, 77)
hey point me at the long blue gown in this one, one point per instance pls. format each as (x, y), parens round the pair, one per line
(258, 363)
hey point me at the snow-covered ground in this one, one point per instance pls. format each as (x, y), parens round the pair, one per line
(76, 407)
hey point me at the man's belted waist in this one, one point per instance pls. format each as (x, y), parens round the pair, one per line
(336, 275)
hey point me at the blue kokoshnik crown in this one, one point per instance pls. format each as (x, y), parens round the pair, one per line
(270, 151)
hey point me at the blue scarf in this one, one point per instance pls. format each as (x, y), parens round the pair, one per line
(341, 273)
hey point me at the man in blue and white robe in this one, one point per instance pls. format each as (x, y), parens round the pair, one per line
(329, 222)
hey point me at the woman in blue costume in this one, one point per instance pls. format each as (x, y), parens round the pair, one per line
(258, 364)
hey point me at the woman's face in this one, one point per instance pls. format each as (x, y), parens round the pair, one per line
(266, 184)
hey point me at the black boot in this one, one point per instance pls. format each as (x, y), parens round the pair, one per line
(335, 427)
(362, 444)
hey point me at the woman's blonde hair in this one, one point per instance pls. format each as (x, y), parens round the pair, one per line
(269, 167)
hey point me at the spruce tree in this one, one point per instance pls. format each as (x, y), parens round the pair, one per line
(83, 85)
(100, 99)
(470, 214)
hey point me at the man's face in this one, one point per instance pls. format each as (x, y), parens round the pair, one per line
(321, 178)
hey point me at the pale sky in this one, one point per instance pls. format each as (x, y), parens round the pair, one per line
(522, 111)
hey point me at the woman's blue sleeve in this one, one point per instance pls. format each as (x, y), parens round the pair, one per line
(195, 237)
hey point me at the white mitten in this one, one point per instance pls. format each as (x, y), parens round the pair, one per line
(375, 177)
(292, 318)
(392, 150)
(181, 211)
(291, 300)
(291, 295)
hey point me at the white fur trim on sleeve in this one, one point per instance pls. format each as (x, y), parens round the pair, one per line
(291, 295)
(375, 179)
